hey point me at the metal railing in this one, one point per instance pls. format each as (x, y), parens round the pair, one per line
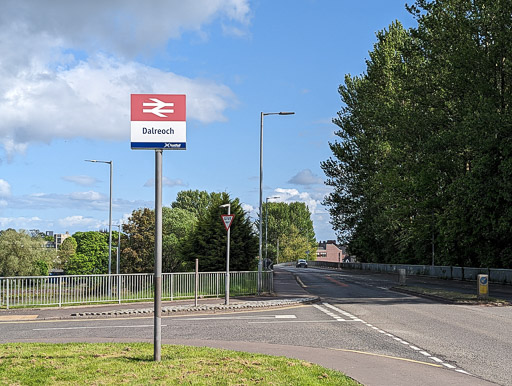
(29, 291)
(496, 275)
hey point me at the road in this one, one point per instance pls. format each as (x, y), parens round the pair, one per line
(378, 336)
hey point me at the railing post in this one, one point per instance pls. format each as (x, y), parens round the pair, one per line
(196, 287)
(60, 291)
(118, 288)
(217, 282)
(7, 302)
(172, 286)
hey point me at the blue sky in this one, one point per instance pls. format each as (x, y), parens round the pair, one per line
(67, 69)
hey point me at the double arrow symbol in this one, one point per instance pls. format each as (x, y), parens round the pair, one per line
(158, 107)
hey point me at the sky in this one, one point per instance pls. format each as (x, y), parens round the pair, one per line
(68, 68)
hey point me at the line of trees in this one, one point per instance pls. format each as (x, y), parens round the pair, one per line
(192, 228)
(422, 168)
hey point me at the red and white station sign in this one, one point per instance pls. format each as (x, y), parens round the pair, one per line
(158, 121)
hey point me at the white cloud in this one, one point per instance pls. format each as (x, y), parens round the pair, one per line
(81, 180)
(319, 215)
(123, 27)
(84, 200)
(91, 100)
(5, 188)
(86, 196)
(292, 195)
(165, 182)
(19, 222)
(79, 222)
(77, 68)
(249, 209)
(305, 177)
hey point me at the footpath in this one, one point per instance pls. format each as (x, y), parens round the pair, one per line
(368, 368)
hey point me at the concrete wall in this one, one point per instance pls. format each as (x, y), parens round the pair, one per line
(503, 276)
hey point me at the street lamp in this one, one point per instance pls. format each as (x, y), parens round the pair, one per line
(109, 214)
(261, 192)
(227, 255)
(266, 225)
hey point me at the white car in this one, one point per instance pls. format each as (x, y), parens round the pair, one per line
(301, 263)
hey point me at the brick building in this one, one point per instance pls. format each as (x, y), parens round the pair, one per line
(330, 251)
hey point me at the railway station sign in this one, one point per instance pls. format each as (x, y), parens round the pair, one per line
(158, 121)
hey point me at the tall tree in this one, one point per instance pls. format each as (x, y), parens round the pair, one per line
(66, 251)
(177, 225)
(23, 255)
(289, 223)
(423, 160)
(208, 241)
(195, 201)
(139, 245)
(91, 255)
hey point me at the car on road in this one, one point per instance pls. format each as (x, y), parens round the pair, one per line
(301, 263)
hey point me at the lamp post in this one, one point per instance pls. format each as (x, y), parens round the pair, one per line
(266, 225)
(109, 214)
(227, 255)
(261, 192)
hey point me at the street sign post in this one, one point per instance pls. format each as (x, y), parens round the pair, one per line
(227, 220)
(158, 122)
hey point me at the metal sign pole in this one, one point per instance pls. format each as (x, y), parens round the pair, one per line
(158, 256)
(227, 260)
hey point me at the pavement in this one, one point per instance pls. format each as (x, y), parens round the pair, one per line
(367, 368)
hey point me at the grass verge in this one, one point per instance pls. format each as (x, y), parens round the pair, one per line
(455, 297)
(115, 363)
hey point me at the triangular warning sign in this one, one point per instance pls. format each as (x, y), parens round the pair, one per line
(227, 219)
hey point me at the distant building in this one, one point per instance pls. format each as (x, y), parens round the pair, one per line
(332, 252)
(58, 239)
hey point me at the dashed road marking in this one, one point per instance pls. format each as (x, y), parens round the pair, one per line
(400, 340)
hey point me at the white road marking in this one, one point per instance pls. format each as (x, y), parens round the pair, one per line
(164, 325)
(93, 327)
(400, 340)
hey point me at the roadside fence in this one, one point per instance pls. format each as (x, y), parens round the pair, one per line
(496, 275)
(29, 291)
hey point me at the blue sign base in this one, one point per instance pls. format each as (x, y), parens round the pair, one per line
(159, 145)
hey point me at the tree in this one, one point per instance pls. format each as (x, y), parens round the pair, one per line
(138, 253)
(423, 160)
(208, 240)
(295, 246)
(287, 222)
(66, 251)
(194, 201)
(23, 255)
(91, 255)
(177, 225)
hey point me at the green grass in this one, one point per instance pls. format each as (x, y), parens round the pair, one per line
(107, 364)
(457, 297)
